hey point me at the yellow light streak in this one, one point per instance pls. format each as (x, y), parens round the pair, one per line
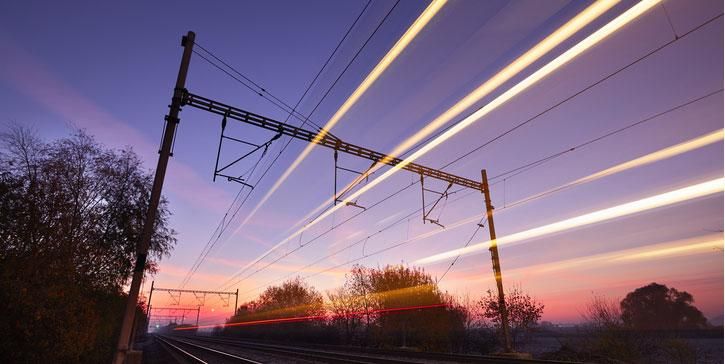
(684, 247)
(544, 71)
(672, 151)
(650, 158)
(392, 54)
(706, 244)
(653, 157)
(550, 67)
(519, 64)
(399, 294)
(629, 208)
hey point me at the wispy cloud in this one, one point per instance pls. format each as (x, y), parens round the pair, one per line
(33, 79)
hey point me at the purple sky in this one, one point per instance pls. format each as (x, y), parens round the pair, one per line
(110, 68)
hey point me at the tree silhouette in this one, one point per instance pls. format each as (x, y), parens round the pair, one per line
(71, 213)
(298, 307)
(657, 307)
(524, 312)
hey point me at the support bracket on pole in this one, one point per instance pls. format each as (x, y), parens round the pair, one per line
(360, 177)
(241, 178)
(175, 298)
(442, 196)
(225, 299)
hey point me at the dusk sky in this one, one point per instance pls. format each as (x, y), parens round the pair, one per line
(110, 68)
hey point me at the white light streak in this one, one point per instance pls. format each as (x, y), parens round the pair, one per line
(487, 87)
(629, 208)
(392, 54)
(519, 64)
(550, 67)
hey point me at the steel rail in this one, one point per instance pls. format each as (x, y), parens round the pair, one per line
(206, 349)
(363, 355)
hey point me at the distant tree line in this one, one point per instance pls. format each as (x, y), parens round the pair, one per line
(398, 307)
(71, 212)
(652, 324)
(390, 307)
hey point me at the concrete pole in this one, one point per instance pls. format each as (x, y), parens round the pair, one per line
(236, 301)
(148, 307)
(496, 264)
(143, 245)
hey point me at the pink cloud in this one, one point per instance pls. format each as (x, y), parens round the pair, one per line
(33, 79)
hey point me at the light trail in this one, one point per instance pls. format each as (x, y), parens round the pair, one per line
(315, 317)
(672, 151)
(683, 247)
(554, 39)
(648, 203)
(680, 248)
(662, 154)
(385, 295)
(392, 54)
(540, 74)
(705, 140)
(519, 64)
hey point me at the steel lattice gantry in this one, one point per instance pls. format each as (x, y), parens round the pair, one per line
(322, 138)
(325, 139)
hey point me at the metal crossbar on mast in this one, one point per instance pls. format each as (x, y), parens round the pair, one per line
(325, 139)
(194, 291)
(322, 138)
(182, 309)
(182, 97)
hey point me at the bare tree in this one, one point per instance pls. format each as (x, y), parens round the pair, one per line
(524, 312)
(70, 216)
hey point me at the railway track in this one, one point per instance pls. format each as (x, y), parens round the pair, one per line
(189, 352)
(328, 355)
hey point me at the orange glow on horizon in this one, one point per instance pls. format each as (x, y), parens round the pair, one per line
(313, 317)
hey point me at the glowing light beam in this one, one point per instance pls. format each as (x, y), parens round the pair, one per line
(519, 64)
(392, 54)
(679, 248)
(314, 317)
(629, 208)
(529, 57)
(653, 157)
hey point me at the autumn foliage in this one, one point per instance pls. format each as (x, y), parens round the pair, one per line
(390, 307)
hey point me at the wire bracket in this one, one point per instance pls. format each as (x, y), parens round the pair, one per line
(360, 177)
(255, 147)
(442, 196)
(175, 298)
(200, 298)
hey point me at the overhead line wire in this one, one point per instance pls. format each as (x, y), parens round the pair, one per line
(587, 88)
(362, 240)
(309, 86)
(328, 90)
(400, 45)
(263, 94)
(556, 155)
(573, 52)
